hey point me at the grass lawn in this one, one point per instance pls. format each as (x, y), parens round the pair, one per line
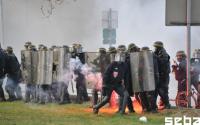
(19, 113)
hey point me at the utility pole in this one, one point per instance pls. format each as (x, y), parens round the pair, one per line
(188, 48)
(2, 26)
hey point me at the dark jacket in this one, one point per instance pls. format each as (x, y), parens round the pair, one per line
(128, 75)
(163, 60)
(114, 67)
(12, 67)
(2, 63)
(80, 80)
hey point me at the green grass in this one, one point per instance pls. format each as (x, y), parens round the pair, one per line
(19, 113)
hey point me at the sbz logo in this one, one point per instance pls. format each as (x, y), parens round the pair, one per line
(182, 120)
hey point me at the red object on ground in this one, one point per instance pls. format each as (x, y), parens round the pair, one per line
(114, 100)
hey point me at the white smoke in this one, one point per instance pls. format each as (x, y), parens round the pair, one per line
(91, 76)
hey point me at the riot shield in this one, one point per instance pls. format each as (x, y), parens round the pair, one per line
(148, 73)
(61, 63)
(90, 59)
(142, 71)
(29, 61)
(45, 67)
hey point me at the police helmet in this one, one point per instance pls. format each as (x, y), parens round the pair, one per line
(9, 49)
(158, 44)
(121, 48)
(145, 48)
(132, 47)
(102, 50)
(112, 50)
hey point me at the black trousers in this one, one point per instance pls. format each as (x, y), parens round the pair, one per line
(2, 96)
(162, 89)
(127, 102)
(30, 92)
(94, 96)
(108, 91)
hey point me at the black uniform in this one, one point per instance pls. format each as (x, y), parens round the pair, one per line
(128, 87)
(14, 75)
(80, 87)
(60, 92)
(164, 70)
(30, 91)
(148, 98)
(152, 94)
(113, 79)
(2, 74)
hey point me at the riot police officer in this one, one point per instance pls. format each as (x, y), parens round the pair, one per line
(163, 60)
(113, 79)
(111, 53)
(101, 63)
(80, 86)
(148, 98)
(29, 77)
(14, 75)
(127, 101)
(44, 89)
(76, 51)
(2, 73)
(111, 56)
(59, 86)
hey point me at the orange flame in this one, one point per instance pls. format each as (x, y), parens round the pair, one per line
(137, 106)
(114, 100)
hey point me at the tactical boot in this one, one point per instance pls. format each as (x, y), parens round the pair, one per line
(167, 106)
(95, 110)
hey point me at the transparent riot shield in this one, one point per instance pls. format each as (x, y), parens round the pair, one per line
(91, 78)
(29, 61)
(63, 64)
(142, 71)
(148, 73)
(45, 67)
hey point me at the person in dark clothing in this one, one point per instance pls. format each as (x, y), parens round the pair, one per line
(59, 87)
(2, 73)
(14, 75)
(113, 79)
(163, 60)
(28, 76)
(128, 92)
(80, 86)
(60, 92)
(111, 55)
(180, 73)
(150, 99)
